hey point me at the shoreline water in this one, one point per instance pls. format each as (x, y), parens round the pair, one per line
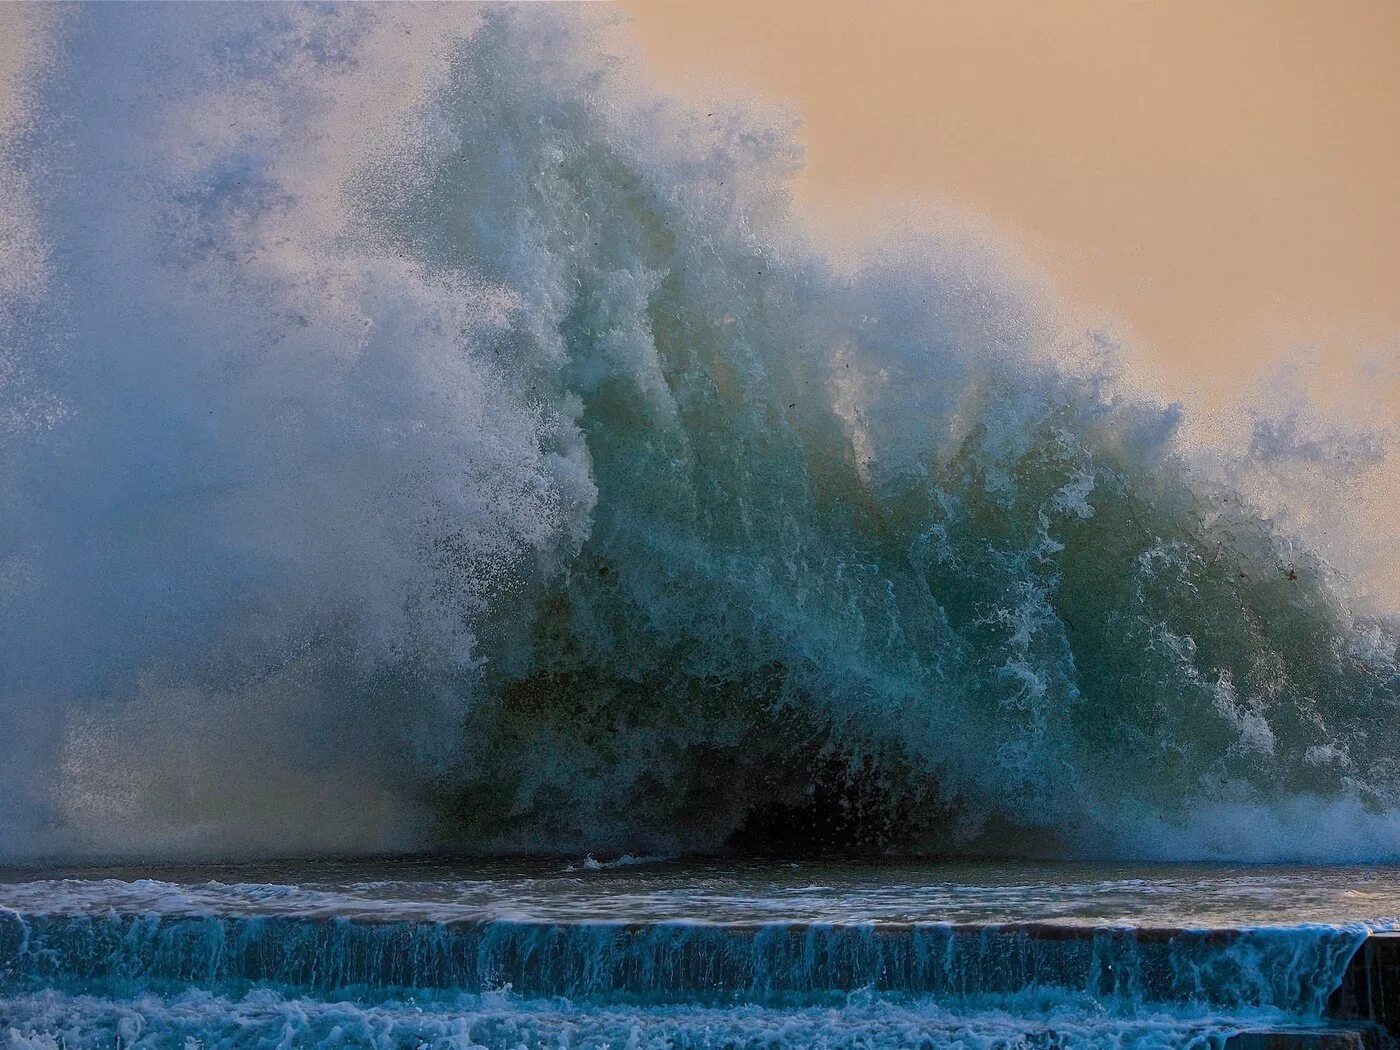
(679, 953)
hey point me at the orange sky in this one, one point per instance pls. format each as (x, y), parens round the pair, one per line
(1220, 179)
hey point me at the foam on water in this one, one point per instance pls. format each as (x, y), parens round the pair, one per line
(415, 430)
(266, 1019)
(750, 894)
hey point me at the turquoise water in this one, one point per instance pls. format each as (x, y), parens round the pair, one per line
(669, 953)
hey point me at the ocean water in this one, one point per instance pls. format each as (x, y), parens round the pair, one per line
(647, 952)
(418, 433)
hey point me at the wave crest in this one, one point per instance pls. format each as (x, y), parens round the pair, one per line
(427, 402)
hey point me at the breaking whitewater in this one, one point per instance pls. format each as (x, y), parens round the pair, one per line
(416, 432)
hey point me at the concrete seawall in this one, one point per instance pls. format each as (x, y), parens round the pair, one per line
(1370, 988)
(1365, 1007)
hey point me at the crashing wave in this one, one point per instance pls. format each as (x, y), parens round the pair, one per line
(418, 431)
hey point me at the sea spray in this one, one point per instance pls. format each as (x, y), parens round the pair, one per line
(427, 434)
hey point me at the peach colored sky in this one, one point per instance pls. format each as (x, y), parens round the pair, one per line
(1219, 179)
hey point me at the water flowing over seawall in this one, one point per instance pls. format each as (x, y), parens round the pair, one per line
(415, 431)
(1292, 971)
(673, 954)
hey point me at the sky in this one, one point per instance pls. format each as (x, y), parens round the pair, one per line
(1216, 180)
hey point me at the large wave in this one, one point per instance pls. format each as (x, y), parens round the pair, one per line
(417, 431)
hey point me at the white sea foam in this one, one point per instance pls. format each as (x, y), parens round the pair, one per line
(48, 1021)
